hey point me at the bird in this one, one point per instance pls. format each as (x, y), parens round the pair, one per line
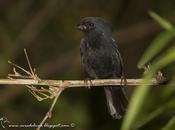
(101, 59)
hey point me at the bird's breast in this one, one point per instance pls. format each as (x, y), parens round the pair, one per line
(99, 62)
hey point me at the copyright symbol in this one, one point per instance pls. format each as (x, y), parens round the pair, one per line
(4, 122)
(72, 125)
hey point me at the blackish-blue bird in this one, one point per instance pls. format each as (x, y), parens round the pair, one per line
(101, 60)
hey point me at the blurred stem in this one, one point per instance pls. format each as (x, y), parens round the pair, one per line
(170, 125)
(156, 113)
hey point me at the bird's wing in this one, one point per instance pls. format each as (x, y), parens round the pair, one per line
(123, 78)
(82, 50)
(119, 56)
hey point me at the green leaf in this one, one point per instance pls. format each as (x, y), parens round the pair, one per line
(140, 94)
(168, 106)
(170, 125)
(156, 46)
(150, 117)
(163, 22)
(169, 89)
(164, 60)
(136, 103)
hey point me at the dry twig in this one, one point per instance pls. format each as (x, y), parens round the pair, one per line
(40, 93)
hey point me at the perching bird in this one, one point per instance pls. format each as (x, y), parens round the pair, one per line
(101, 60)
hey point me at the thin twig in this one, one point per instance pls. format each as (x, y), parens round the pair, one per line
(27, 58)
(49, 113)
(32, 71)
(17, 66)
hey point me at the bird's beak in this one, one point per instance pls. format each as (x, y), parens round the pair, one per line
(81, 27)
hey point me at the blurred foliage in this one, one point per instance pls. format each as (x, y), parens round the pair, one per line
(142, 115)
(46, 28)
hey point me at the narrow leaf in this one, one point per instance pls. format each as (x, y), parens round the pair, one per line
(135, 104)
(164, 60)
(163, 22)
(156, 46)
(170, 125)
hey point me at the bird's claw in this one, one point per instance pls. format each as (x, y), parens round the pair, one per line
(88, 83)
(123, 81)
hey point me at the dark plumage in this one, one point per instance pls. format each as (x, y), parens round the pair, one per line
(101, 60)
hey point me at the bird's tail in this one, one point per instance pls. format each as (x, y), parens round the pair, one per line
(117, 101)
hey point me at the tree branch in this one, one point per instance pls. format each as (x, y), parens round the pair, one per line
(75, 83)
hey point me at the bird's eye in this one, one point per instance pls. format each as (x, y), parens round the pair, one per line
(91, 24)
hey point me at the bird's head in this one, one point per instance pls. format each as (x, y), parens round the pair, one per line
(86, 24)
(97, 24)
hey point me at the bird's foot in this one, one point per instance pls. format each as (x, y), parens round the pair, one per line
(88, 83)
(123, 81)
